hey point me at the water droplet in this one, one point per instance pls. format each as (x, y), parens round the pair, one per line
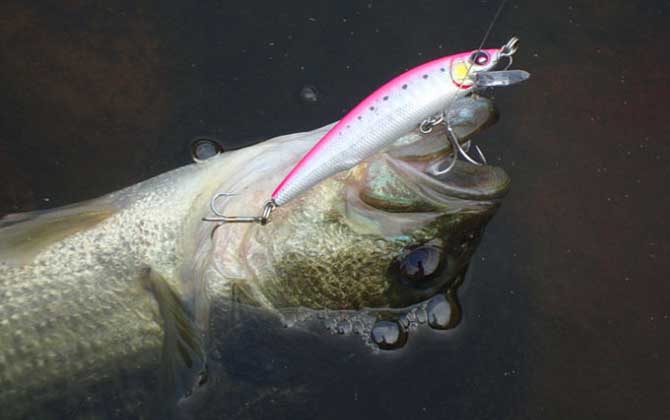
(204, 148)
(309, 95)
(439, 313)
(344, 327)
(358, 327)
(388, 335)
(289, 320)
(330, 324)
(411, 316)
(421, 315)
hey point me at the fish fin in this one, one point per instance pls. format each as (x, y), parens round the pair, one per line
(182, 355)
(24, 235)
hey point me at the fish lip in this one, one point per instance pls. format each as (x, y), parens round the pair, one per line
(465, 181)
(494, 182)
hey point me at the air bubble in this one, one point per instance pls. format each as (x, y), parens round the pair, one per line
(309, 95)
(439, 313)
(330, 324)
(289, 320)
(204, 148)
(411, 316)
(344, 327)
(421, 316)
(388, 335)
(358, 327)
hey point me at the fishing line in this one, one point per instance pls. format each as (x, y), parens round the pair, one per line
(449, 131)
(495, 18)
(486, 35)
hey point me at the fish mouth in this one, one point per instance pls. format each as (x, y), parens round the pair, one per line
(465, 180)
(411, 178)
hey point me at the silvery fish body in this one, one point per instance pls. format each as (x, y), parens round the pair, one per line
(125, 283)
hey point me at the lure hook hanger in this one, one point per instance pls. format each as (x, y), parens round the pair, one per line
(221, 218)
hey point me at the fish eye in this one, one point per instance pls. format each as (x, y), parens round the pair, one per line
(417, 267)
(480, 58)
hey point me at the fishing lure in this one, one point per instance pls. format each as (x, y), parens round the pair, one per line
(416, 98)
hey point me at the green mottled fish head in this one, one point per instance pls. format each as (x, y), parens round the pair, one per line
(385, 234)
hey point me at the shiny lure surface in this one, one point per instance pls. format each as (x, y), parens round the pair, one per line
(391, 111)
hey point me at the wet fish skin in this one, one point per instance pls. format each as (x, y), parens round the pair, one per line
(76, 310)
(79, 311)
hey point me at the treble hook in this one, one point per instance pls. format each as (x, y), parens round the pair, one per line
(221, 219)
(458, 149)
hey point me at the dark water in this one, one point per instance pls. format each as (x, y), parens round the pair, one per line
(567, 309)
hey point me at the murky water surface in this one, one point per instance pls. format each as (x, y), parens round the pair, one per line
(566, 308)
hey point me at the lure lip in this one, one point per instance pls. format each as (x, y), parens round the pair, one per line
(500, 78)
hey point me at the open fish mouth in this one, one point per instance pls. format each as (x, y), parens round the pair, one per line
(401, 185)
(411, 176)
(464, 181)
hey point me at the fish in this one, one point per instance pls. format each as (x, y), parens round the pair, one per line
(124, 285)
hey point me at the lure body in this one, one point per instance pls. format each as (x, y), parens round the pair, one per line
(391, 111)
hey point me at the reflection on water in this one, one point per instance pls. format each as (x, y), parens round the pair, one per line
(565, 310)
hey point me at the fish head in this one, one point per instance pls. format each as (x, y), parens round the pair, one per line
(386, 234)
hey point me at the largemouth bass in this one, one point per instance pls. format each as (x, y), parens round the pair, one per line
(125, 283)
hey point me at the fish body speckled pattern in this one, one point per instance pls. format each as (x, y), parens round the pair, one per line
(105, 289)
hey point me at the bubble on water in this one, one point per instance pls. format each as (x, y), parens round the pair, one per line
(358, 327)
(204, 148)
(439, 313)
(388, 335)
(309, 95)
(421, 315)
(404, 321)
(330, 324)
(344, 327)
(289, 319)
(411, 316)
(409, 320)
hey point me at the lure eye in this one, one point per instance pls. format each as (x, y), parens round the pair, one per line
(479, 58)
(418, 267)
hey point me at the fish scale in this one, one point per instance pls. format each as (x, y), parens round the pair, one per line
(75, 317)
(77, 310)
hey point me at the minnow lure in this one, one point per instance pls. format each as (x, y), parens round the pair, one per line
(416, 97)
